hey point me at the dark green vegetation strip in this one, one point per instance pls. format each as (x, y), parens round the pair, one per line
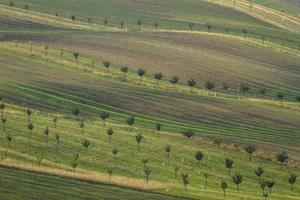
(18, 185)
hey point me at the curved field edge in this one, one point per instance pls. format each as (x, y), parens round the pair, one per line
(127, 165)
(283, 37)
(47, 185)
(209, 125)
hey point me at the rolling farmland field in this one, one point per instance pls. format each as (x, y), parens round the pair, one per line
(150, 99)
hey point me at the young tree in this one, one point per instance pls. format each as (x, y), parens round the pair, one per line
(122, 24)
(115, 152)
(57, 138)
(147, 172)
(124, 70)
(250, 149)
(263, 185)
(192, 84)
(229, 165)
(280, 96)
(110, 132)
(144, 160)
(81, 125)
(244, 88)
(225, 86)
(74, 162)
(85, 144)
(208, 25)
(227, 30)
(292, 180)
(110, 172)
(209, 85)
(76, 56)
(73, 17)
(138, 138)
(224, 187)
(2, 107)
(206, 175)
(105, 22)
(218, 141)
(139, 23)
(55, 119)
(62, 54)
(40, 158)
(11, 3)
(270, 185)
(263, 39)
(130, 122)
(158, 77)
(93, 63)
(199, 156)
(46, 47)
(104, 116)
(176, 168)
(9, 139)
(141, 72)
(168, 150)
(46, 133)
(282, 158)
(237, 179)
(174, 80)
(185, 180)
(189, 134)
(106, 64)
(245, 33)
(259, 172)
(156, 26)
(29, 113)
(262, 91)
(30, 128)
(26, 8)
(3, 123)
(76, 112)
(158, 128)
(298, 99)
(191, 26)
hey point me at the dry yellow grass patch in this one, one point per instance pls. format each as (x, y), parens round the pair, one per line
(85, 175)
(264, 13)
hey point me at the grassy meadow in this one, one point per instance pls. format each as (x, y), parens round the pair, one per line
(95, 161)
(166, 15)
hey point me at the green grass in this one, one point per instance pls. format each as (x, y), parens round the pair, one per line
(53, 86)
(99, 156)
(44, 83)
(287, 6)
(166, 14)
(20, 184)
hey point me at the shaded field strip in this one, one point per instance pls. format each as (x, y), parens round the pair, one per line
(290, 91)
(22, 184)
(241, 131)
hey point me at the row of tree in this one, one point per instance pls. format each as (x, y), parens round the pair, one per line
(199, 156)
(209, 85)
(139, 23)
